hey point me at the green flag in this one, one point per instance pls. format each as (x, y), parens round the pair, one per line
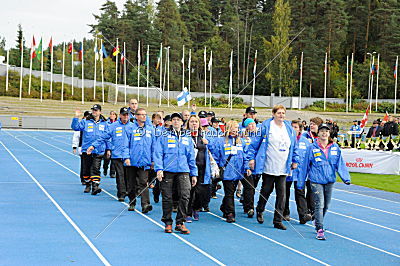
(39, 50)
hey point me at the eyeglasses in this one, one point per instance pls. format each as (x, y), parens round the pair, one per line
(140, 114)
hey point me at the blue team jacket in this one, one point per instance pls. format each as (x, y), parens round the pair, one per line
(175, 154)
(302, 145)
(322, 170)
(115, 135)
(258, 148)
(139, 144)
(91, 131)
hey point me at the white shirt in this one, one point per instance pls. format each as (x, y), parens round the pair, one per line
(277, 151)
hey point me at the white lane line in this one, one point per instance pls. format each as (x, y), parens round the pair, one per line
(85, 238)
(341, 236)
(153, 221)
(359, 194)
(272, 240)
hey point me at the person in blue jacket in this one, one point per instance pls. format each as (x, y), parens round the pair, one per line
(322, 161)
(92, 128)
(175, 162)
(273, 154)
(304, 209)
(356, 128)
(138, 149)
(115, 134)
(107, 159)
(232, 152)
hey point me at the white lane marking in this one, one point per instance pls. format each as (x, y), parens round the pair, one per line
(359, 194)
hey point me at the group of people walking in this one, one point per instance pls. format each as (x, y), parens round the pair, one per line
(186, 156)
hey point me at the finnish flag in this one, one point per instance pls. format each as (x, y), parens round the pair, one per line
(184, 97)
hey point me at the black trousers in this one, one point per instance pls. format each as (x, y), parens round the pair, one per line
(108, 162)
(250, 184)
(228, 202)
(300, 197)
(199, 198)
(214, 183)
(183, 185)
(268, 183)
(91, 167)
(156, 188)
(120, 170)
(137, 185)
(81, 169)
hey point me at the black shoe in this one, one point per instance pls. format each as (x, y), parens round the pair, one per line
(88, 187)
(286, 217)
(147, 208)
(156, 199)
(95, 188)
(230, 218)
(113, 176)
(121, 199)
(306, 218)
(260, 217)
(250, 213)
(206, 209)
(174, 209)
(131, 207)
(280, 226)
(105, 173)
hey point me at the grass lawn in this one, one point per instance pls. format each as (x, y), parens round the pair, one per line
(383, 182)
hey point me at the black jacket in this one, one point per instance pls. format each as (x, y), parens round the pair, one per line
(377, 133)
(390, 128)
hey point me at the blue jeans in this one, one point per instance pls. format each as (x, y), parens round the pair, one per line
(322, 194)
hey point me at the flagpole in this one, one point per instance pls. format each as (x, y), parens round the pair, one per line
(95, 70)
(51, 67)
(377, 84)
(395, 84)
(351, 80)
(30, 68)
(7, 67)
(83, 74)
(138, 73)
(22, 63)
(372, 82)
(183, 66)
(210, 64)
(347, 84)
(116, 74)
(102, 71)
(168, 73)
(124, 73)
(160, 65)
(189, 66)
(205, 76)
(72, 67)
(147, 75)
(301, 79)
(62, 74)
(41, 72)
(230, 81)
(165, 72)
(326, 70)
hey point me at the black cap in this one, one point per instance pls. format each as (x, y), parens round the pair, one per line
(322, 126)
(96, 107)
(202, 114)
(215, 120)
(355, 121)
(251, 109)
(123, 111)
(167, 118)
(211, 113)
(86, 113)
(176, 115)
(375, 122)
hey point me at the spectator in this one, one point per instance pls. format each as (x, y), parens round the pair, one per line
(375, 130)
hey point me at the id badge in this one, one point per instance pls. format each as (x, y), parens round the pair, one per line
(234, 150)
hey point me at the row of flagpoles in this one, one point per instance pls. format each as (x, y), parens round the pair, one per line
(163, 67)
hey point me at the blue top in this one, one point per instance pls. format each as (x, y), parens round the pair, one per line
(91, 131)
(302, 145)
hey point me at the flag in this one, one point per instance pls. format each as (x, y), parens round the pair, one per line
(190, 59)
(81, 52)
(115, 51)
(373, 70)
(39, 50)
(255, 64)
(386, 117)
(395, 72)
(70, 48)
(104, 52)
(184, 97)
(96, 51)
(33, 47)
(51, 45)
(210, 62)
(158, 59)
(365, 118)
(122, 57)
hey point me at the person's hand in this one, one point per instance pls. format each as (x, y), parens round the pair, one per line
(160, 175)
(205, 141)
(108, 154)
(193, 107)
(347, 182)
(194, 180)
(127, 162)
(78, 113)
(248, 172)
(152, 166)
(252, 164)
(89, 150)
(74, 150)
(294, 165)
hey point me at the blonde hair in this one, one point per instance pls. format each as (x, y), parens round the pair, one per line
(277, 107)
(229, 126)
(195, 117)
